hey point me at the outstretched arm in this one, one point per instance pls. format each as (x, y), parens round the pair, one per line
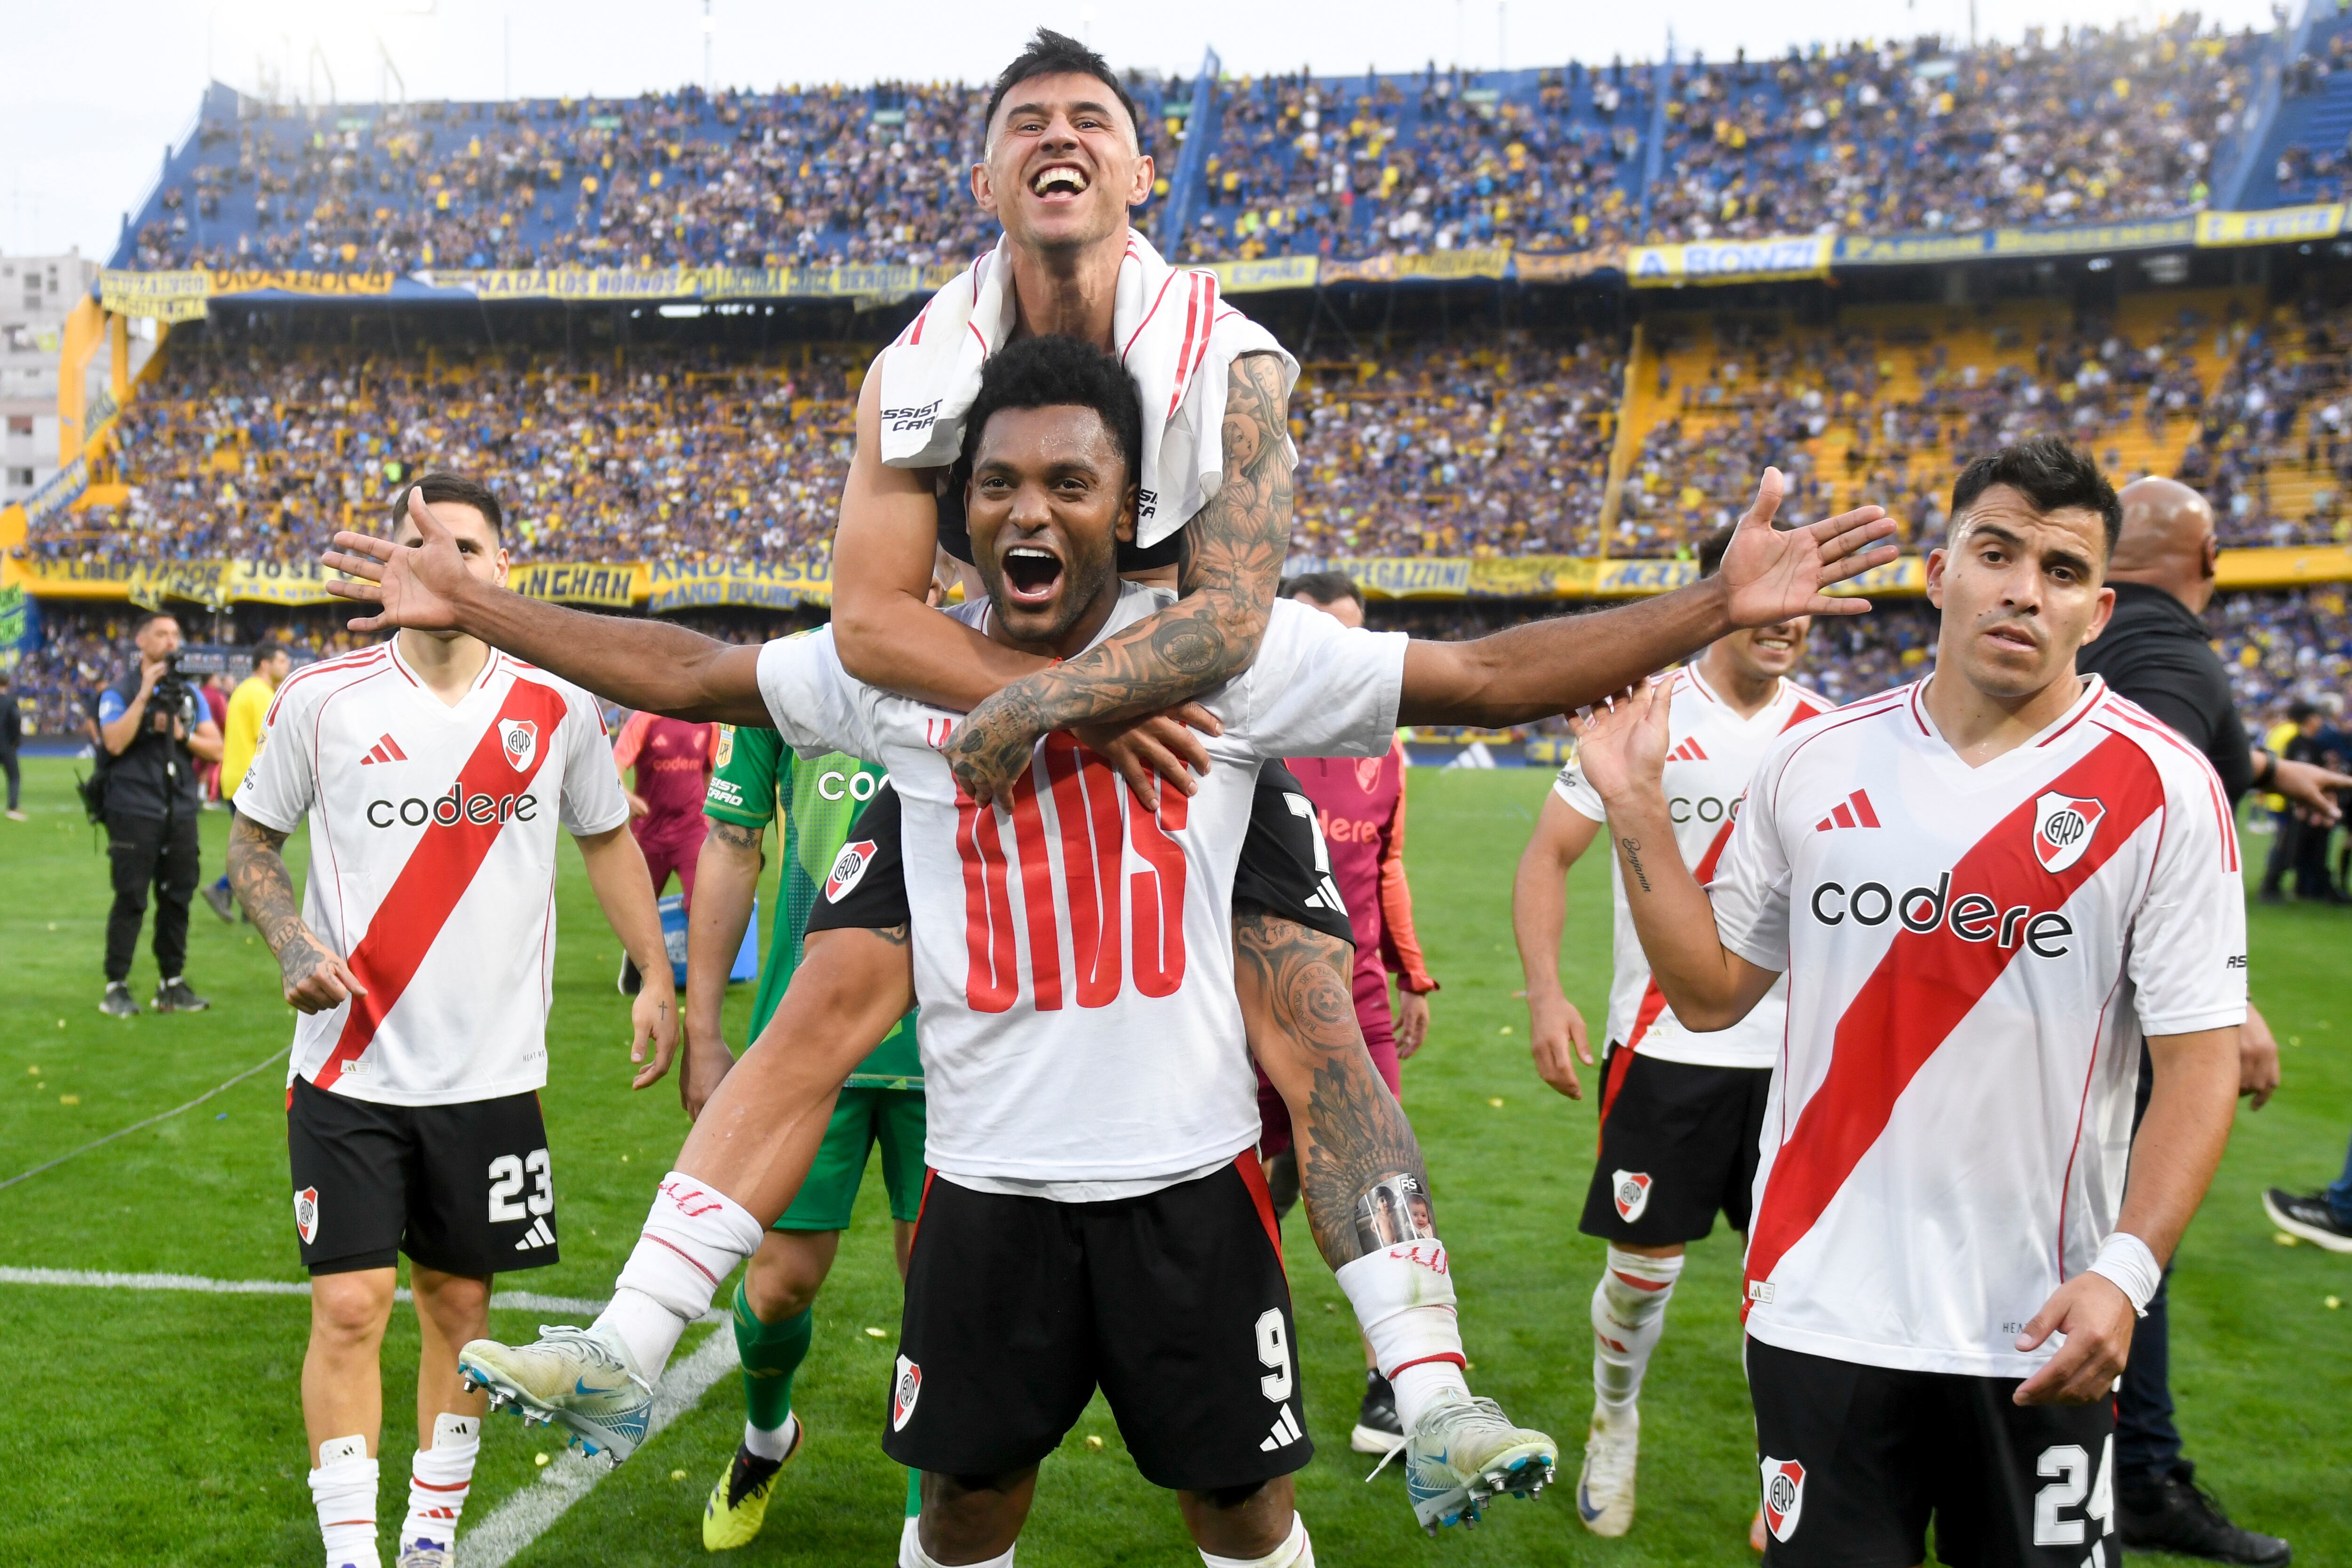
(1233, 552)
(647, 664)
(1623, 748)
(1570, 661)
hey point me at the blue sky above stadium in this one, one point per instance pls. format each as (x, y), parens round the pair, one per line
(90, 108)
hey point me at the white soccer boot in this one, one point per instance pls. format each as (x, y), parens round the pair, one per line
(423, 1553)
(1604, 1490)
(579, 1378)
(1462, 1453)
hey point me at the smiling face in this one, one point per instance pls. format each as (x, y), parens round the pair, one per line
(1768, 653)
(1048, 500)
(1061, 165)
(2020, 590)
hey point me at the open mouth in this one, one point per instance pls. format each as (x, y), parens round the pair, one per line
(1063, 181)
(2014, 636)
(1030, 575)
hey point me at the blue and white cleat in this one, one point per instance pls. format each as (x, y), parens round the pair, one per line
(1462, 1453)
(1604, 1490)
(577, 1378)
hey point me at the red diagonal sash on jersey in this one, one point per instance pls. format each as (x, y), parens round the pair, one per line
(437, 875)
(1924, 985)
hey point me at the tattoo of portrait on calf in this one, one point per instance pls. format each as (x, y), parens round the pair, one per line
(1360, 1166)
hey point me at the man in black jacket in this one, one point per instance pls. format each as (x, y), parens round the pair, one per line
(2156, 652)
(152, 729)
(11, 730)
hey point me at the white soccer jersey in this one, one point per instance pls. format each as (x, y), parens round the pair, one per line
(433, 844)
(1711, 753)
(1073, 953)
(1973, 955)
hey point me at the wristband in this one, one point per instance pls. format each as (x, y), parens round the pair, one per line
(2126, 1261)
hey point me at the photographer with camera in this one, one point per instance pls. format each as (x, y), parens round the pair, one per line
(154, 728)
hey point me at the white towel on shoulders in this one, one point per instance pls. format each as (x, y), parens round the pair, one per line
(1175, 333)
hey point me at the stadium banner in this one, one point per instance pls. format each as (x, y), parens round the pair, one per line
(200, 581)
(1904, 577)
(1639, 579)
(20, 624)
(157, 296)
(1532, 576)
(1272, 272)
(1428, 576)
(58, 492)
(691, 584)
(569, 282)
(351, 285)
(1437, 267)
(290, 583)
(1730, 260)
(1911, 250)
(2283, 225)
(609, 585)
(1551, 267)
(2287, 566)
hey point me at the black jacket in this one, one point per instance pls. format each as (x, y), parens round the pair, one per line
(155, 775)
(2157, 654)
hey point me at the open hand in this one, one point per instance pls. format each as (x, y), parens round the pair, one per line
(417, 587)
(653, 1017)
(2310, 788)
(2096, 1319)
(1620, 743)
(1155, 748)
(1774, 575)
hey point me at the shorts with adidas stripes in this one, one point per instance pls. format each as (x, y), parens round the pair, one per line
(1678, 1142)
(1174, 1304)
(464, 1188)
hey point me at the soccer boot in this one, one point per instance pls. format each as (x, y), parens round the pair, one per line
(425, 1553)
(222, 902)
(116, 1002)
(576, 1377)
(1462, 1453)
(738, 1503)
(174, 996)
(1378, 1430)
(1604, 1489)
(2179, 1515)
(2308, 1215)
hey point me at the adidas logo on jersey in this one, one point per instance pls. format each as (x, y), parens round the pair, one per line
(539, 1235)
(1853, 811)
(1285, 1432)
(1690, 751)
(384, 751)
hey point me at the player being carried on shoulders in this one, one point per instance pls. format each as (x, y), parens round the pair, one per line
(1092, 1114)
(1681, 1110)
(1983, 890)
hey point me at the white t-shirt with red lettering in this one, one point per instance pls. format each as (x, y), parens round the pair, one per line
(1073, 953)
(1711, 753)
(1973, 955)
(432, 846)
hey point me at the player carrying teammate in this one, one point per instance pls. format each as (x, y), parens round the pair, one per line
(434, 772)
(1681, 1112)
(815, 800)
(1090, 1113)
(1983, 890)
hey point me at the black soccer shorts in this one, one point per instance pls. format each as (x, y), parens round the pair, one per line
(1678, 1142)
(463, 1188)
(1173, 1303)
(1857, 1461)
(1281, 870)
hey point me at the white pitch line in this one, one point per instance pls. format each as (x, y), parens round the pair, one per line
(513, 1300)
(530, 1512)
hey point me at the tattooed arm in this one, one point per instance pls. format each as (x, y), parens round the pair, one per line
(726, 879)
(1360, 1166)
(1232, 553)
(316, 980)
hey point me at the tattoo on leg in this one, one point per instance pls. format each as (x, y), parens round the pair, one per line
(1632, 847)
(1360, 1166)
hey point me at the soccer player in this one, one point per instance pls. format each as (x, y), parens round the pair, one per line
(816, 801)
(1681, 1112)
(1984, 890)
(241, 736)
(673, 761)
(434, 773)
(1358, 808)
(1091, 1116)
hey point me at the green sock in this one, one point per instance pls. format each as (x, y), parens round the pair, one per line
(914, 1493)
(772, 1352)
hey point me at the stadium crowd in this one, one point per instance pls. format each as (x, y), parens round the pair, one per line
(2275, 452)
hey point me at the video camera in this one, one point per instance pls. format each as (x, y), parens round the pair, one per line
(175, 697)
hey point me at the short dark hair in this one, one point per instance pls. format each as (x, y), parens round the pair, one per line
(266, 650)
(2048, 472)
(1057, 54)
(1323, 587)
(1711, 548)
(2301, 709)
(145, 618)
(1056, 372)
(440, 487)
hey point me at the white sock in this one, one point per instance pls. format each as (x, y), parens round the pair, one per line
(342, 1488)
(693, 1237)
(1629, 1318)
(1296, 1552)
(767, 1445)
(912, 1555)
(1403, 1297)
(438, 1479)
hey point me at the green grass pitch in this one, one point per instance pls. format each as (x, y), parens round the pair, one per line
(164, 1428)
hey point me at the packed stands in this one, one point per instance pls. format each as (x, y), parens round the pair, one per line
(2276, 451)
